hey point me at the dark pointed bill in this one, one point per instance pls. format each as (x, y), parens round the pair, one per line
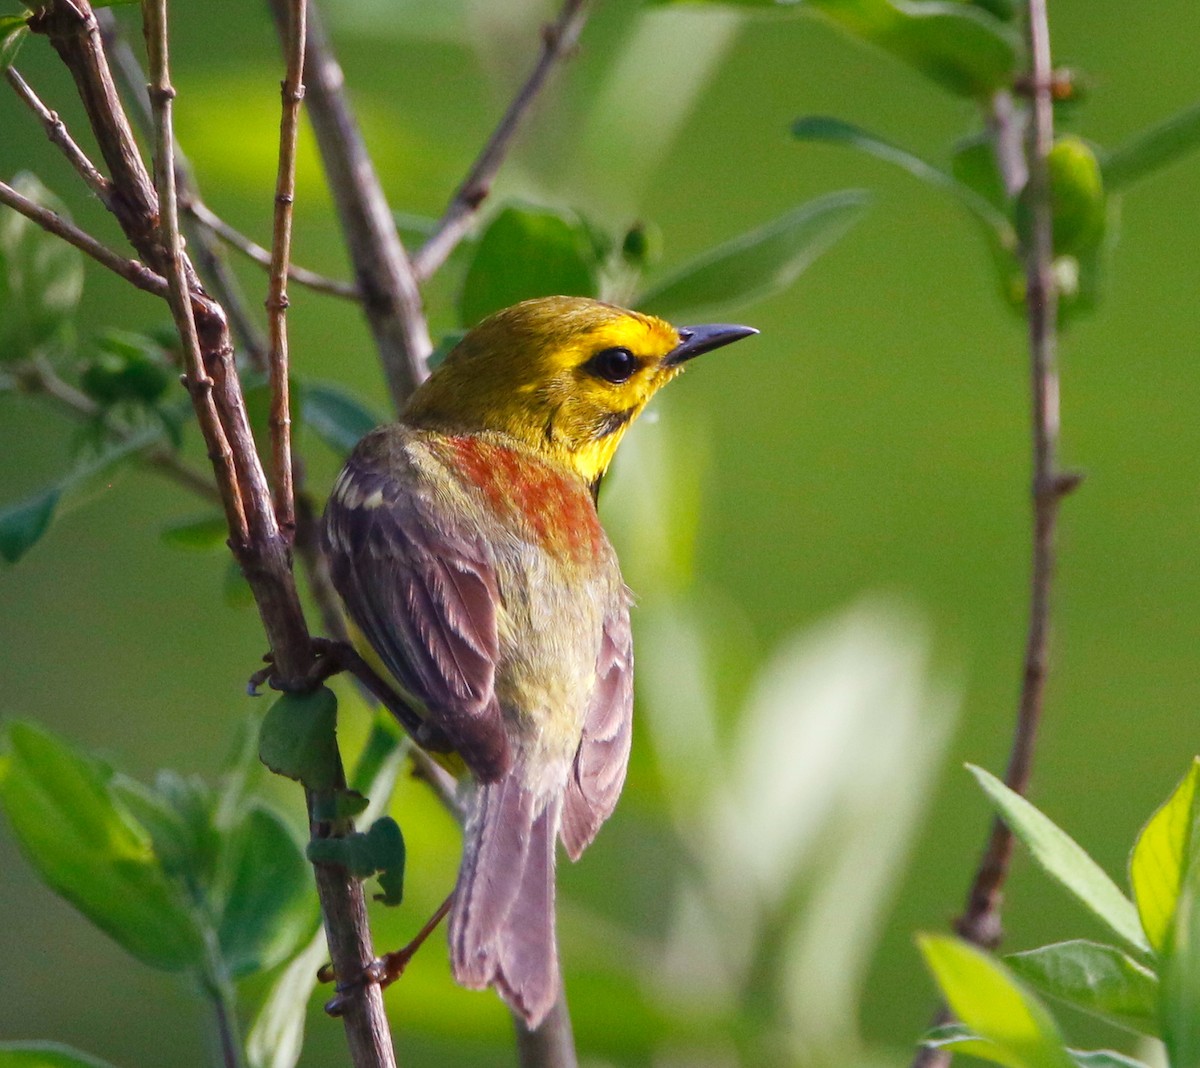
(693, 340)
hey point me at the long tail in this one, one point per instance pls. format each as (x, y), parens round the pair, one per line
(502, 920)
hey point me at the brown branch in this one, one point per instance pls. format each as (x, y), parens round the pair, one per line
(249, 248)
(131, 270)
(129, 73)
(57, 131)
(558, 41)
(390, 296)
(292, 94)
(552, 1045)
(981, 921)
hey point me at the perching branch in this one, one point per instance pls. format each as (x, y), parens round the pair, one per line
(390, 296)
(281, 254)
(558, 41)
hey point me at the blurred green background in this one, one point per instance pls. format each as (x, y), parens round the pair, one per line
(860, 473)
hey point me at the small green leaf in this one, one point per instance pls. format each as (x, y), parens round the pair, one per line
(957, 1038)
(990, 1002)
(197, 535)
(299, 738)
(835, 131)
(757, 264)
(89, 850)
(964, 48)
(379, 851)
(41, 279)
(268, 905)
(1180, 1008)
(46, 1055)
(22, 524)
(1152, 150)
(973, 164)
(1077, 200)
(526, 252)
(1161, 857)
(1104, 1058)
(177, 813)
(338, 419)
(13, 31)
(277, 1037)
(1064, 860)
(128, 368)
(1098, 979)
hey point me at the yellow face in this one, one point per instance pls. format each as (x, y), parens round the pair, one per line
(564, 375)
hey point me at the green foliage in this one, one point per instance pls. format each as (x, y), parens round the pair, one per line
(1156, 996)
(128, 368)
(298, 739)
(41, 279)
(22, 524)
(755, 265)
(1152, 150)
(379, 851)
(13, 31)
(525, 252)
(1065, 861)
(335, 416)
(46, 1055)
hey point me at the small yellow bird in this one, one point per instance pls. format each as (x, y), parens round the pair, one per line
(465, 543)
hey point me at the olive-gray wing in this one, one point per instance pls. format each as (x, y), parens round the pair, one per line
(425, 598)
(598, 772)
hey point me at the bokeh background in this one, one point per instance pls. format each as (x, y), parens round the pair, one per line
(827, 528)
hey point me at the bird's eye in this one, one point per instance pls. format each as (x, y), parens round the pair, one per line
(613, 365)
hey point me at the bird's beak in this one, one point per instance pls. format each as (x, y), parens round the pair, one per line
(693, 340)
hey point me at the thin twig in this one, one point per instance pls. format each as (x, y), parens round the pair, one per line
(1005, 127)
(558, 40)
(292, 94)
(391, 298)
(207, 251)
(131, 270)
(249, 248)
(200, 384)
(552, 1045)
(57, 131)
(981, 921)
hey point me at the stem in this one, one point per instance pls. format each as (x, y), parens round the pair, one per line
(56, 130)
(131, 270)
(390, 295)
(281, 254)
(558, 40)
(981, 921)
(552, 1045)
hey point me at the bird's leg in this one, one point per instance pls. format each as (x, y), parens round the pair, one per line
(383, 970)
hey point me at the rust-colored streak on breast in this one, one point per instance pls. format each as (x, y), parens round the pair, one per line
(555, 509)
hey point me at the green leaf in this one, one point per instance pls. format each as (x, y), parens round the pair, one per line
(13, 31)
(757, 264)
(983, 994)
(1104, 1058)
(197, 535)
(962, 47)
(1098, 979)
(46, 1055)
(835, 131)
(338, 419)
(527, 252)
(299, 738)
(277, 1037)
(128, 368)
(22, 524)
(268, 905)
(1065, 861)
(959, 1039)
(1152, 150)
(41, 279)
(1180, 1007)
(1161, 857)
(90, 851)
(379, 851)
(1077, 199)
(178, 814)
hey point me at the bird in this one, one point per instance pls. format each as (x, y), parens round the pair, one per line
(466, 547)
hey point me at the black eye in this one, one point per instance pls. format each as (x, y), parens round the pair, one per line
(613, 365)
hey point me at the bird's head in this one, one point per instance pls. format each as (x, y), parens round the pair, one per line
(563, 375)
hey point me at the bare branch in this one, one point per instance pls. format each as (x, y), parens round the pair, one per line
(390, 295)
(552, 1045)
(131, 270)
(1004, 125)
(558, 41)
(281, 256)
(209, 219)
(56, 130)
(207, 251)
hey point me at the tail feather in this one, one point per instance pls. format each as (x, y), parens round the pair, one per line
(502, 920)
